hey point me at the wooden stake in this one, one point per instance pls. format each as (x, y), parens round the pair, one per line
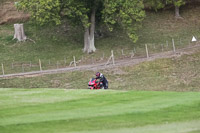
(3, 72)
(22, 67)
(74, 61)
(132, 54)
(154, 46)
(122, 52)
(57, 64)
(40, 65)
(167, 43)
(65, 60)
(30, 64)
(174, 49)
(113, 59)
(147, 52)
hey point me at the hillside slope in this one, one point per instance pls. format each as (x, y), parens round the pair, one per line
(180, 73)
(9, 13)
(56, 43)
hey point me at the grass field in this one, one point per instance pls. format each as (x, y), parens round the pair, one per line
(101, 111)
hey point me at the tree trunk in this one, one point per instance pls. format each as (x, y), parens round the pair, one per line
(86, 40)
(89, 46)
(19, 32)
(92, 29)
(177, 14)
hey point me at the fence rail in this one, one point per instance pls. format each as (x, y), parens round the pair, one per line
(47, 66)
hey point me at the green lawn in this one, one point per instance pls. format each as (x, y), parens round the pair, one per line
(100, 111)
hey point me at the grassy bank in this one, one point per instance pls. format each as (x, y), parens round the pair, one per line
(52, 110)
(175, 74)
(54, 44)
(57, 42)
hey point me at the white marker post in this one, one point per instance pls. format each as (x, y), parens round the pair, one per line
(194, 39)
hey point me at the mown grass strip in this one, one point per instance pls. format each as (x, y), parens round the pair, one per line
(98, 110)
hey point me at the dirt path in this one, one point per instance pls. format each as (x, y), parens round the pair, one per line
(118, 63)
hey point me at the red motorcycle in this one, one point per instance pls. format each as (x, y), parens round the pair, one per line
(95, 84)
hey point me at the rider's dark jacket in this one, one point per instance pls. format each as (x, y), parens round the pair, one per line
(103, 80)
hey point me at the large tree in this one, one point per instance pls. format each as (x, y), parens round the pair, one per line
(126, 13)
(159, 4)
(177, 4)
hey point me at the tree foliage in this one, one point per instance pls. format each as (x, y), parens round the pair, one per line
(127, 13)
(159, 4)
(42, 11)
(177, 2)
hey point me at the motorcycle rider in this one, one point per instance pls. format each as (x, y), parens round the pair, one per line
(102, 79)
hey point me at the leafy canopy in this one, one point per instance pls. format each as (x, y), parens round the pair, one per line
(42, 11)
(126, 13)
(159, 4)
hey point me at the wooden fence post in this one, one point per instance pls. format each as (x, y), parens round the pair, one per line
(113, 59)
(13, 64)
(147, 52)
(174, 49)
(122, 52)
(162, 47)
(74, 61)
(65, 60)
(3, 72)
(57, 64)
(40, 65)
(154, 46)
(167, 43)
(30, 64)
(22, 67)
(132, 54)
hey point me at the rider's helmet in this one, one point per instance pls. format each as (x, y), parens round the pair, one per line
(97, 74)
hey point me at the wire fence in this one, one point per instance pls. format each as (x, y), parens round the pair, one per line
(144, 51)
